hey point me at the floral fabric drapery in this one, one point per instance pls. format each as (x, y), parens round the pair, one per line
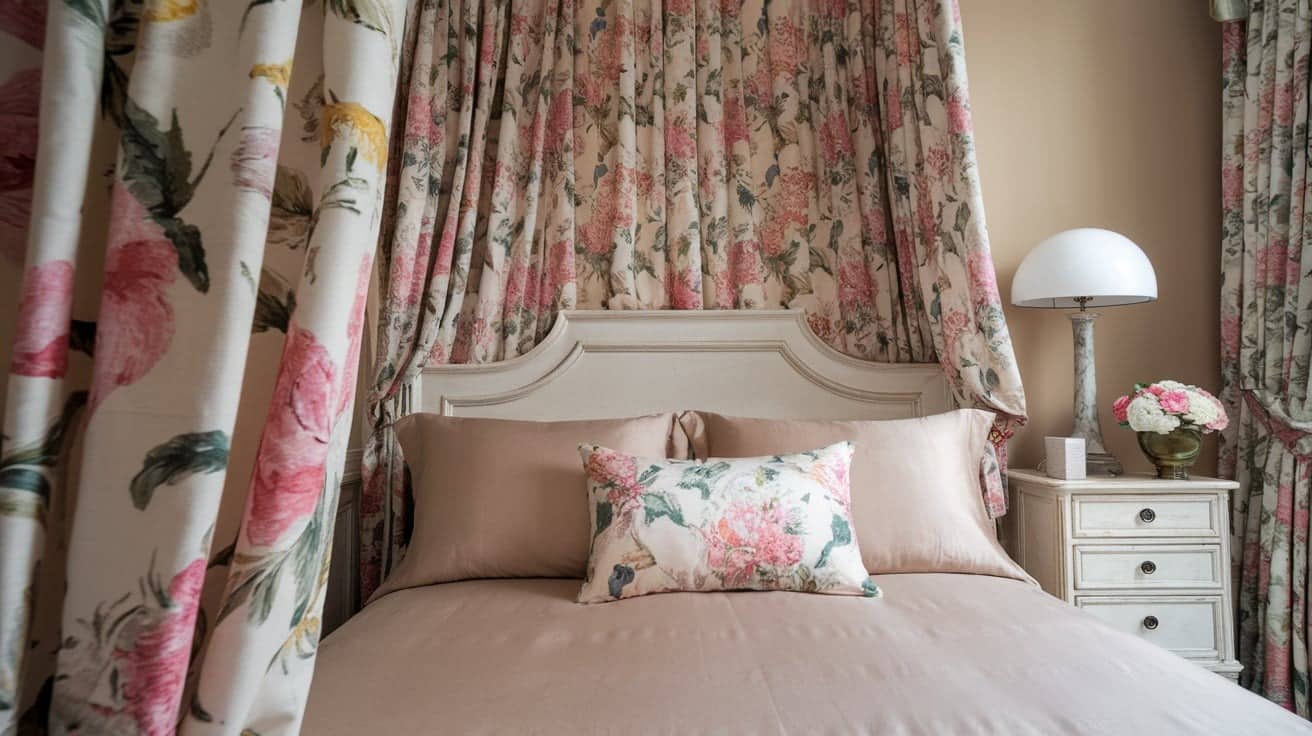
(179, 394)
(688, 154)
(1266, 339)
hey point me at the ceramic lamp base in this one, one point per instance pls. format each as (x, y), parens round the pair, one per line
(1087, 423)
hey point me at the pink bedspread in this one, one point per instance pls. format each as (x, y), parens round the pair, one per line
(938, 654)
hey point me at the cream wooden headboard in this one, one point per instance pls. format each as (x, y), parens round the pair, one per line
(596, 364)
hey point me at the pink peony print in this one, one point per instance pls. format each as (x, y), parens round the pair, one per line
(905, 40)
(255, 160)
(751, 535)
(153, 668)
(41, 346)
(135, 326)
(615, 471)
(679, 143)
(24, 20)
(893, 107)
(735, 120)
(855, 289)
(289, 467)
(354, 334)
(20, 98)
(560, 123)
(983, 278)
(959, 122)
(835, 140)
(683, 289)
(832, 471)
(1232, 186)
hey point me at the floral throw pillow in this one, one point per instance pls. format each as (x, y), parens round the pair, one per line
(763, 523)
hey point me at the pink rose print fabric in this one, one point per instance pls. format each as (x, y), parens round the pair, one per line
(766, 523)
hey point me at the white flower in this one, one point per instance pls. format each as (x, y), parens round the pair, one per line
(1146, 415)
(1202, 410)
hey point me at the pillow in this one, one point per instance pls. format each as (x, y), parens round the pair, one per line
(762, 523)
(497, 498)
(916, 499)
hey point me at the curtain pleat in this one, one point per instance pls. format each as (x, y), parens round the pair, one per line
(1266, 351)
(163, 561)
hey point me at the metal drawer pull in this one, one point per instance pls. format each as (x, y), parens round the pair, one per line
(1149, 567)
(1150, 622)
(1148, 515)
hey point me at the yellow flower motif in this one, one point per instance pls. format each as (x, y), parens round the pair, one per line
(363, 129)
(278, 74)
(167, 10)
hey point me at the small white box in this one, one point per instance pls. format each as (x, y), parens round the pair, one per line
(1064, 457)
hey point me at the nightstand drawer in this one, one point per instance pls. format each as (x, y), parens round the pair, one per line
(1147, 566)
(1145, 516)
(1187, 625)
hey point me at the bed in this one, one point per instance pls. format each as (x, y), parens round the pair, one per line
(937, 654)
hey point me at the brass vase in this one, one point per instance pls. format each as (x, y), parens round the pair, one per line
(1174, 453)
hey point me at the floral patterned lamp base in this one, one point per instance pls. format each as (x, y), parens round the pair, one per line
(1172, 453)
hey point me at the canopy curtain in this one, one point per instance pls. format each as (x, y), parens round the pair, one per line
(202, 230)
(1266, 343)
(684, 154)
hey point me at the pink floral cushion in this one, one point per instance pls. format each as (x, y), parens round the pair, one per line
(761, 523)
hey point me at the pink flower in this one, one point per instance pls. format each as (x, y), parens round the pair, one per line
(905, 39)
(560, 123)
(24, 20)
(855, 289)
(1232, 186)
(255, 159)
(289, 467)
(1121, 409)
(135, 326)
(20, 98)
(893, 106)
(153, 669)
(735, 120)
(41, 346)
(616, 472)
(788, 48)
(958, 114)
(751, 535)
(745, 267)
(1174, 401)
(835, 141)
(683, 289)
(679, 143)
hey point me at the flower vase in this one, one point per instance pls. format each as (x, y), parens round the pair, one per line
(1172, 453)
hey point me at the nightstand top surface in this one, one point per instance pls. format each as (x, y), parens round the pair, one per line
(1129, 481)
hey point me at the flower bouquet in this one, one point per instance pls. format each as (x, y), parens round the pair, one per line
(1170, 418)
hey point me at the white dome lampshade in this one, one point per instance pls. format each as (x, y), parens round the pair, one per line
(1097, 267)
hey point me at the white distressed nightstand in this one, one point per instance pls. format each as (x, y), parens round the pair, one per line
(1150, 557)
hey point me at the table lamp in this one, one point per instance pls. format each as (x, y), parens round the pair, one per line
(1078, 269)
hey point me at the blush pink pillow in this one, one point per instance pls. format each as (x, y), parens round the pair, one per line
(499, 498)
(916, 499)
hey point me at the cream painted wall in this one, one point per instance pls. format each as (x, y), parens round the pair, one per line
(1103, 113)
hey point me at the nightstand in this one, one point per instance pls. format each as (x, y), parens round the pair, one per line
(1149, 557)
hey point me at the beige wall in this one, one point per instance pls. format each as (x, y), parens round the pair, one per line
(1103, 113)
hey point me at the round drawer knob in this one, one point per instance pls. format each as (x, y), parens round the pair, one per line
(1150, 622)
(1149, 567)
(1148, 515)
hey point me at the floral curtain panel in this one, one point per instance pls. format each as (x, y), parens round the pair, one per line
(202, 229)
(1266, 346)
(690, 154)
